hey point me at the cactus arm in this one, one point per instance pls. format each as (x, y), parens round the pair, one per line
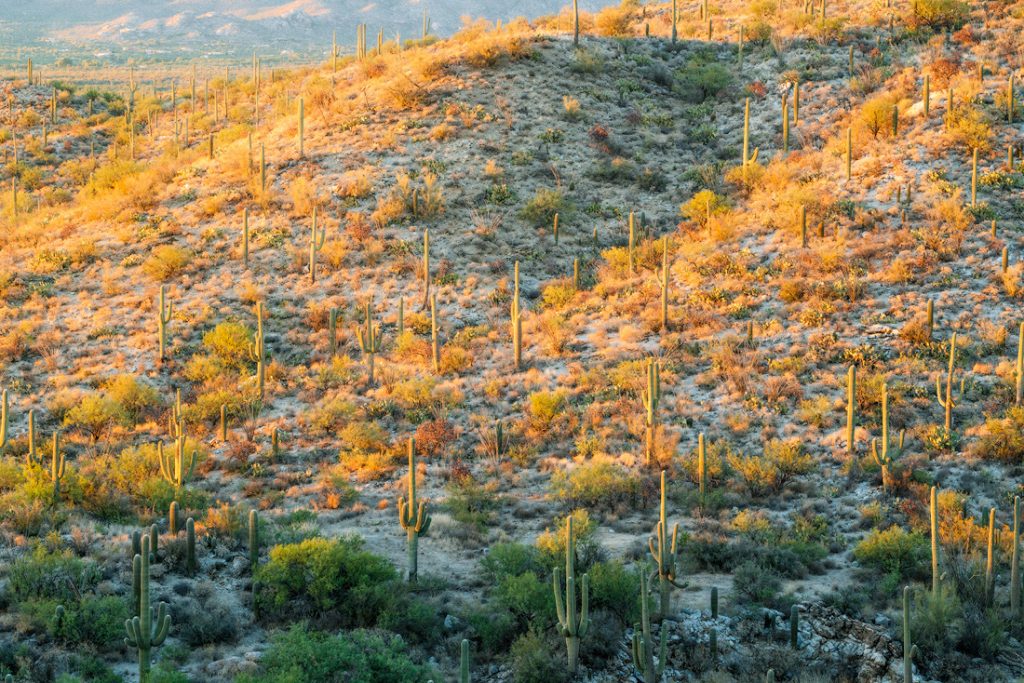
(559, 605)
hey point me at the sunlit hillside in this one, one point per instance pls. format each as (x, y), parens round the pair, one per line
(626, 348)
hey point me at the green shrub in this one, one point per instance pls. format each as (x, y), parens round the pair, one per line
(493, 629)
(598, 484)
(540, 211)
(336, 581)
(229, 343)
(96, 621)
(937, 622)
(699, 81)
(51, 574)
(527, 597)
(166, 261)
(938, 14)
(303, 656)
(537, 660)
(94, 414)
(614, 588)
(894, 551)
(133, 398)
(754, 583)
(1003, 438)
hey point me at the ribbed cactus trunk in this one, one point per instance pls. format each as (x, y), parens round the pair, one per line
(851, 408)
(576, 23)
(517, 323)
(412, 517)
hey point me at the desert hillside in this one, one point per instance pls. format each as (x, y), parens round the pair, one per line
(643, 348)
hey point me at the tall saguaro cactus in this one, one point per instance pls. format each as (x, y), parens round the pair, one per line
(748, 159)
(888, 454)
(435, 345)
(664, 284)
(663, 548)
(949, 402)
(316, 243)
(412, 516)
(573, 625)
(258, 351)
(643, 641)
(575, 23)
(517, 323)
(163, 316)
(426, 267)
(370, 338)
(56, 471)
(651, 397)
(148, 629)
(173, 466)
(851, 408)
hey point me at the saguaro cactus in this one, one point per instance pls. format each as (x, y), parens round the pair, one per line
(164, 310)
(643, 641)
(412, 516)
(632, 244)
(663, 549)
(190, 546)
(426, 268)
(316, 243)
(332, 326)
(889, 453)
(909, 649)
(258, 351)
(974, 178)
(926, 95)
(573, 627)
(675, 19)
(172, 518)
(517, 323)
(948, 403)
(851, 408)
(651, 398)
(369, 338)
(56, 471)
(149, 628)
(254, 540)
(664, 284)
(575, 23)
(435, 345)
(172, 465)
(748, 159)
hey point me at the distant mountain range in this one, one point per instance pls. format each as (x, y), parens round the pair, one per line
(237, 26)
